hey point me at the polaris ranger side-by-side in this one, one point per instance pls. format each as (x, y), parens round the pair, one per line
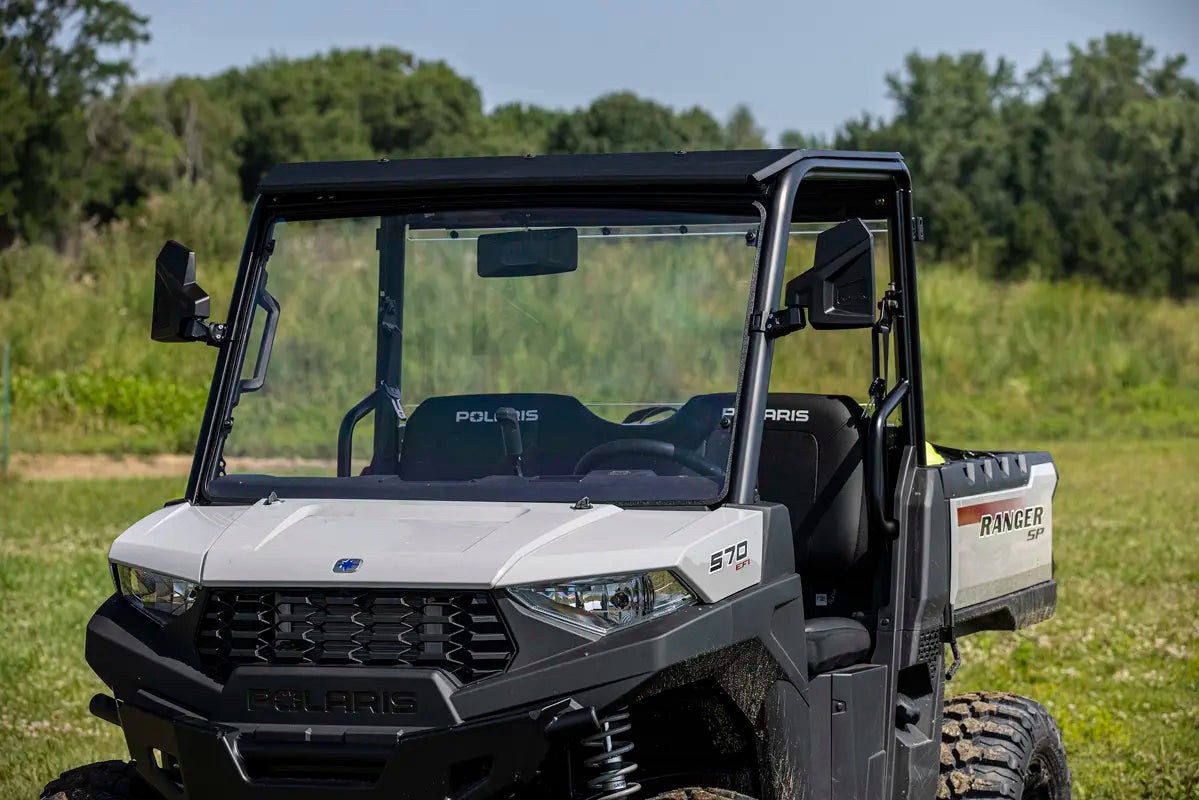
(506, 488)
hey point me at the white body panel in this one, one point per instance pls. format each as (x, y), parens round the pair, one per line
(174, 539)
(444, 544)
(1002, 541)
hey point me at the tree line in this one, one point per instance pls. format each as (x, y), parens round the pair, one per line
(1083, 166)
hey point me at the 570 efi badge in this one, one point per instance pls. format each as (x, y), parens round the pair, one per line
(737, 554)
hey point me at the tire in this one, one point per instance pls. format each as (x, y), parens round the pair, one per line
(997, 745)
(104, 780)
(700, 794)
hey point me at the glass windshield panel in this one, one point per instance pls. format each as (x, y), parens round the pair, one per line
(614, 380)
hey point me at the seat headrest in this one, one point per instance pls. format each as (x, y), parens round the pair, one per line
(820, 414)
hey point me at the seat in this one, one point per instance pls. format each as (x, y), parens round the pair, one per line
(835, 642)
(446, 438)
(811, 462)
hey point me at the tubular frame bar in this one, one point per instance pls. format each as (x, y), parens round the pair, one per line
(751, 404)
(222, 393)
(755, 385)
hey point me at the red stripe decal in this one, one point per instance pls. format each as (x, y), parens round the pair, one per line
(971, 515)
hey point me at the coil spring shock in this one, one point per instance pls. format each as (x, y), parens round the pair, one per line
(612, 782)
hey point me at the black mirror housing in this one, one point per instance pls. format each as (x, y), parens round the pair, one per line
(519, 254)
(838, 291)
(180, 305)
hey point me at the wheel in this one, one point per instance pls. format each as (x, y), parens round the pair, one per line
(998, 745)
(104, 780)
(700, 794)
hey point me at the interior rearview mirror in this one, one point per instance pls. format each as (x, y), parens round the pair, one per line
(838, 291)
(517, 254)
(180, 305)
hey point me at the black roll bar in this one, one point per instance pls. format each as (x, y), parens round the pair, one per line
(345, 434)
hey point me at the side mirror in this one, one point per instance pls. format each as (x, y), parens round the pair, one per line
(838, 291)
(180, 305)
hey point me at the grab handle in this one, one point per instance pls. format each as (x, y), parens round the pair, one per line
(876, 454)
(270, 305)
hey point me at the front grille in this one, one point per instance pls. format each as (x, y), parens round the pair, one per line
(460, 632)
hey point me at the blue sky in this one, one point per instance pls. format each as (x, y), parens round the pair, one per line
(795, 63)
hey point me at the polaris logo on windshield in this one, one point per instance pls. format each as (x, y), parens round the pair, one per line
(777, 414)
(527, 415)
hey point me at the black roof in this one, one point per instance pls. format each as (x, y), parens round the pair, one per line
(724, 168)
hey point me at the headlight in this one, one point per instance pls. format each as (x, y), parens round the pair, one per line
(599, 605)
(159, 596)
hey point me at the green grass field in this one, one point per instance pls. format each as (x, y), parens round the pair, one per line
(1118, 666)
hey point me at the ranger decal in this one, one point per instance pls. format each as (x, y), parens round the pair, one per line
(1004, 516)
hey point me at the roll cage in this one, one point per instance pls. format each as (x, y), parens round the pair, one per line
(786, 185)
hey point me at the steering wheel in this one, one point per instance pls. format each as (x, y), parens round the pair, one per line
(642, 414)
(653, 448)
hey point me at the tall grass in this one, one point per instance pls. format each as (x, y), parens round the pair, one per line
(1002, 362)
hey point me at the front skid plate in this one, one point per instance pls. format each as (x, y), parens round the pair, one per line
(418, 767)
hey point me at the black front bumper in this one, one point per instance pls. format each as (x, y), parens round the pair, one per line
(366, 732)
(464, 762)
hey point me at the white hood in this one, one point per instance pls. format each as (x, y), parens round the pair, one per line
(440, 544)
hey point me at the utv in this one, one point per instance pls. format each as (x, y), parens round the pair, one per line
(523, 478)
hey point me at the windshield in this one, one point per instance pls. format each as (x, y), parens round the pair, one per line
(524, 354)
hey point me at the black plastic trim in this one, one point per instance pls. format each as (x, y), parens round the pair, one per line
(104, 707)
(212, 758)
(968, 472)
(1009, 612)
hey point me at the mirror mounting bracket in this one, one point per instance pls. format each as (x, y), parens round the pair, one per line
(780, 323)
(888, 309)
(196, 329)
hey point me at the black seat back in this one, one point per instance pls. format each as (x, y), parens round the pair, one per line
(811, 462)
(455, 437)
